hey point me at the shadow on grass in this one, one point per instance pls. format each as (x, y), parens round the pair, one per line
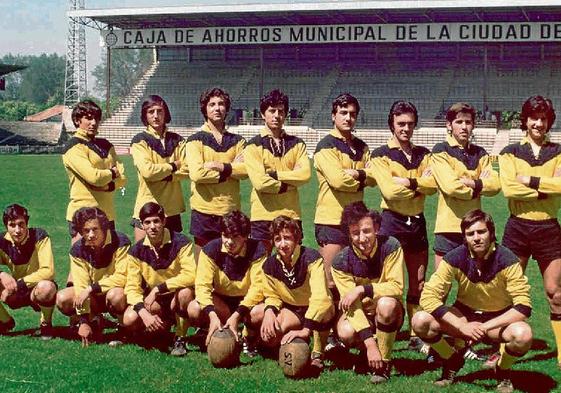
(525, 381)
(412, 367)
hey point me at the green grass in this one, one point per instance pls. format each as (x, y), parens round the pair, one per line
(30, 365)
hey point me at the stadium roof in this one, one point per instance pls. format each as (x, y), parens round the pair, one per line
(336, 12)
(7, 68)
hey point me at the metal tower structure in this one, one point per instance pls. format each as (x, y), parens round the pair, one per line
(75, 81)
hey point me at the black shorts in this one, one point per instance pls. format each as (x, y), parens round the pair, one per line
(478, 316)
(173, 223)
(206, 226)
(446, 242)
(261, 230)
(232, 302)
(23, 299)
(299, 311)
(411, 231)
(330, 234)
(73, 232)
(539, 239)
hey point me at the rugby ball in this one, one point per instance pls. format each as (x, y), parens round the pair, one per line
(294, 358)
(223, 350)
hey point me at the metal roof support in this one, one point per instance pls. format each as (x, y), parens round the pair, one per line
(75, 81)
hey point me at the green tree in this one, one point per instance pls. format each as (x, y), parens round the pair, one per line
(41, 83)
(17, 110)
(127, 66)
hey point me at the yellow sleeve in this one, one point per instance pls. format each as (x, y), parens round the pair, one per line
(76, 159)
(327, 162)
(197, 172)
(391, 279)
(491, 184)
(426, 184)
(183, 171)
(446, 179)
(510, 186)
(254, 295)
(119, 277)
(46, 270)
(260, 180)
(355, 315)
(384, 178)
(272, 298)
(239, 171)
(320, 300)
(436, 290)
(518, 288)
(133, 286)
(121, 181)
(206, 269)
(186, 276)
(81, 278)
(301, 175)
(150, 171)
(549, 184)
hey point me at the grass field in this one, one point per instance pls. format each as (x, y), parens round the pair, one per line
(30, 365)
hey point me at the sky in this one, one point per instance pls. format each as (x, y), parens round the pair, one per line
(40, 26)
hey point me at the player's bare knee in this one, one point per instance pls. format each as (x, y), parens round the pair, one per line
(65, 301)
(184, 297)
(45, 292)
(346, 333)
(521, 336)
(130, 318)
(421, 323)
(387, 310)
(194, 311)
(256, 315)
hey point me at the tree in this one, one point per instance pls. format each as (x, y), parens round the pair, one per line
(41, 83)
(127, 66)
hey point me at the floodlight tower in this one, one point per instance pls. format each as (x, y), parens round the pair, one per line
(75, 81)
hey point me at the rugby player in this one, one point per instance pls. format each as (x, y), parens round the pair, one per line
(492, 303)
(215, 162)
(93, 169)
(28, 255)
(463, 172)
(530, 173)
(403, 175)
(277, 164)
(98, 264)
(229, 278)
(297, 300)
(159, 158)
(340, 160)
(160, 279)
(369, 277)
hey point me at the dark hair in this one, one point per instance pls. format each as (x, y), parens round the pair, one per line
(356, 211)
(457, 108)
(476, 215)
(13, 212)
(85, 214)
(151, 209)
(85, 108)
(344, 100)
(152, 101)
(273, 98)
(213, 92)
(235, 223)
(534, 105)
(283, 222)
(399, 108)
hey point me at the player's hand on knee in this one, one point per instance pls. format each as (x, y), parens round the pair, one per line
(151, 298)
(9, 283)
(473, 331)
(270, 326)
(346, 302)
(153, 323)
(82, 297)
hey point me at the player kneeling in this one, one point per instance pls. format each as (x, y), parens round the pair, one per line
(297, 300)
(28, 255)
(492, 303)
(98, 264)
(160, 279)
(369, 277)
(229, 278)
